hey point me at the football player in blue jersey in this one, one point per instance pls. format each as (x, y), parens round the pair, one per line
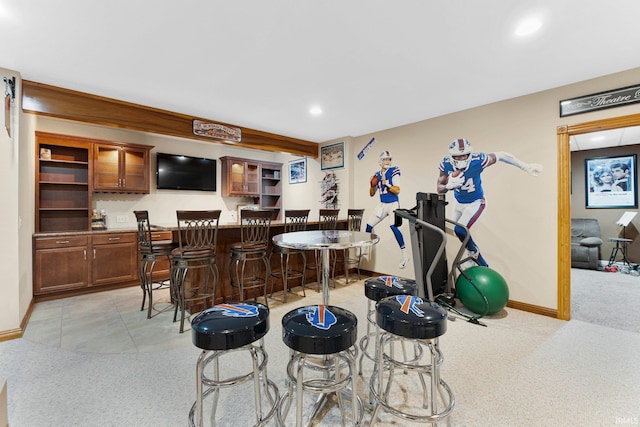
(386, 181)
(461, 171)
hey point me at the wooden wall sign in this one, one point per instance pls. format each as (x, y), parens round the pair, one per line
(217, 131)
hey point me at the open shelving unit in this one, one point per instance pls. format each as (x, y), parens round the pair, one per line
(63, 183)
(271, 188)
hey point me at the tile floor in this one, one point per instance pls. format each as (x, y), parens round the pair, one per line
(118, 326)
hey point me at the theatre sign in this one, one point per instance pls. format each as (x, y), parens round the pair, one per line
(599, 101)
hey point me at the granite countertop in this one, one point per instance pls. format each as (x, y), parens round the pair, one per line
(132, 229)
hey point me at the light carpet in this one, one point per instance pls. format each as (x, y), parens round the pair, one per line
(520, 370)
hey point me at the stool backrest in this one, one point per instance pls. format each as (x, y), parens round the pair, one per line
(354, 219)
(198, 230)
(254, 228)
(145, 240)
(296, 220)
(328, 219)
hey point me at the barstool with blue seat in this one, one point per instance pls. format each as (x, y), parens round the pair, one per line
(226, 328)
(410, 318)
(327, 333)
(375, 289)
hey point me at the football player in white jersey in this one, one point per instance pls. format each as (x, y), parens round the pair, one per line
(386, 181)
(461, 171)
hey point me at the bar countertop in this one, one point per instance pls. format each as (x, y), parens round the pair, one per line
(158, 227)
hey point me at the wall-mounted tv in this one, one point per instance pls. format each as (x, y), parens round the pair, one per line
(176, 172)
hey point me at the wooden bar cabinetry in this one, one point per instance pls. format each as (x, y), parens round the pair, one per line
(252, 178)
(240, 177)
(70, 264)
(63, 183)
(271, 187)
(121, 168)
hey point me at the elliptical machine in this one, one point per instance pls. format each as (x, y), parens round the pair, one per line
(428, 222)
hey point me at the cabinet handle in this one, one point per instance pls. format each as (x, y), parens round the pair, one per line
(85, 254)
(94, 254)
(114, 238)
(61, 242)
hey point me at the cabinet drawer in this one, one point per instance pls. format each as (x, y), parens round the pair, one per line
(158, 236)
(61, 242)
(106, 239)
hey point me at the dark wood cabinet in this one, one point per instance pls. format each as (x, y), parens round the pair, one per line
(253, 178)
(114, 258)
(77, 263)
(63, 182)
(121, 168)
(60, 264)
(240, 177)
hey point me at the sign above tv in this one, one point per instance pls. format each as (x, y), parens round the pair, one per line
(217, 131)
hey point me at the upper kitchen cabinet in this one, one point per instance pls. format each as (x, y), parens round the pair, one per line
(120, 168)
(240, 177)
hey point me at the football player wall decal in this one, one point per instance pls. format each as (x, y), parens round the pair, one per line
(460, 172)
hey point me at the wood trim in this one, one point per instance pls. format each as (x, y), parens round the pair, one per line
(39, 98)
(530, 308)
(564, 225)
(564, 199)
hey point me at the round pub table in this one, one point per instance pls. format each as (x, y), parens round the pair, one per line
(325, 240)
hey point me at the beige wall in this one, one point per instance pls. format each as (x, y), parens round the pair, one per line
(518, 229)
(517, 232)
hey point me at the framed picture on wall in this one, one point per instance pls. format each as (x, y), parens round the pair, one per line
(611, 182)
(298, 171)
(332, 156)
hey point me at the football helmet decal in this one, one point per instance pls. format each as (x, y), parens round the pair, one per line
(460, 148)
(384, 155)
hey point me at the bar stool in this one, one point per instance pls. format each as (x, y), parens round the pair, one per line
(196, 251)
(350, 257)
(409, 318)
(327, 220)
(252, 248)
(149, 252)
(224, 329)
(294, 220)
(320, 330)
(375, 289)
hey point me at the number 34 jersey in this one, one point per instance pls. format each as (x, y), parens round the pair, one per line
(471, 188)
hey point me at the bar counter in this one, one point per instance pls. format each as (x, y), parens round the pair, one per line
(228, 233)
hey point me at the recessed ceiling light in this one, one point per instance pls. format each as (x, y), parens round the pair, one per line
(315, 111)
(528, 26)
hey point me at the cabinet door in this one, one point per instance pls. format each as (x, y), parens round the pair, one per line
(121, 169)
(60, 269)
(242, 178)
(135, 169)
(252, 178)
(106, 168)
(114, 259)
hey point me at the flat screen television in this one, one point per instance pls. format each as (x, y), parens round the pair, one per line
(176, 172)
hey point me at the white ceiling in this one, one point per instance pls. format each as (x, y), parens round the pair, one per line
(606, 138)
(370, 64)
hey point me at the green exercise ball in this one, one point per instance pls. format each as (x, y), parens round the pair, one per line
(490, 283)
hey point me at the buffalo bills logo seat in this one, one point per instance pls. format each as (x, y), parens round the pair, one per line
(411, 317)
(319, 329)
(380, 287)
(229, 326)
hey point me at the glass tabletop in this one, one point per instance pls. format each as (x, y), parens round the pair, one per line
(319, 239)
